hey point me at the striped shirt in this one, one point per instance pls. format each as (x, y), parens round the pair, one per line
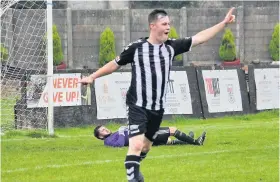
(151, 65)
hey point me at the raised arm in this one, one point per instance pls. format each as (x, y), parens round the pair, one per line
(209, 33)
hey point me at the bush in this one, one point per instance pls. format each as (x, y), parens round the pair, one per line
(4, 53)
(173, 35)
(227, 49)
(107, 51)
(274, 48)
(57, 47)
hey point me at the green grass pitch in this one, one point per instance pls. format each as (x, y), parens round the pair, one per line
(240, 148)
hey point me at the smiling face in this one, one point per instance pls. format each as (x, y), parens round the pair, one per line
(160, 28)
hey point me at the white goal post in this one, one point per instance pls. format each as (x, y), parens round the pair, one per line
(50, 66)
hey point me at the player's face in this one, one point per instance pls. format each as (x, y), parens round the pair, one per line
(161, 28)
(103, 131)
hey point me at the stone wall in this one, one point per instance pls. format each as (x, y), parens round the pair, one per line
(80, 31)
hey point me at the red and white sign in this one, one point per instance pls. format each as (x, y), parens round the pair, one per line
(66, 90)
(222, 90)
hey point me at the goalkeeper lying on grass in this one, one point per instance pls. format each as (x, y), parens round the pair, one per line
(162, 137)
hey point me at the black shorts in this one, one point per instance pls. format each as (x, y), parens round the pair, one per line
(143, 121)
(162, 136)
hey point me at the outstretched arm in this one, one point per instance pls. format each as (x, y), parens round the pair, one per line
(105, 70)
(125, 57)
(209, 33)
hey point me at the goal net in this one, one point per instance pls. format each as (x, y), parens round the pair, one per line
(23, 54)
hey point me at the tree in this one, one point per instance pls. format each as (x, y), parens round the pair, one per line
(57, 47)
(173, 35)
(274, 48)
(4, 53)
(227, 50)
(107, 51)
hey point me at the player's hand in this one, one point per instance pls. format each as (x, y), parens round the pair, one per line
(86, 80)
(230, 18)
(122, 128)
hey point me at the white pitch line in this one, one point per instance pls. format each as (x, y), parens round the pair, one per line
(122, 160)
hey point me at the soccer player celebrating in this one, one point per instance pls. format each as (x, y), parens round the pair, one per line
(151, 60)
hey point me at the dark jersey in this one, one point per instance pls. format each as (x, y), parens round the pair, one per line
(151, 65)
(120, 138)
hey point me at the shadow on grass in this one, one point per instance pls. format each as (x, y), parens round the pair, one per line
(36, 134)
(31, 134)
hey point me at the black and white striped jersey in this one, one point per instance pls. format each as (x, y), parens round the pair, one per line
(150, 70)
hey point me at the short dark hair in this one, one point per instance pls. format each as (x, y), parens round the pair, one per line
(154, 14)
(96, 132)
